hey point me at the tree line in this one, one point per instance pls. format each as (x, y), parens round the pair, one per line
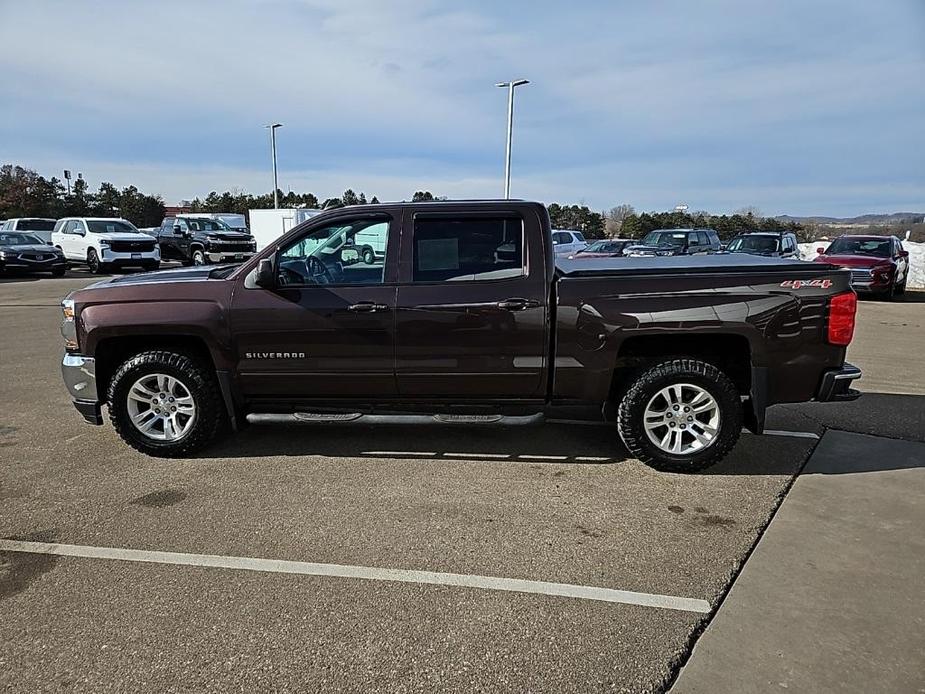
(25, 193)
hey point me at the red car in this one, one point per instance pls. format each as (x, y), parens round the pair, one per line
(609, 248)
(878, 264)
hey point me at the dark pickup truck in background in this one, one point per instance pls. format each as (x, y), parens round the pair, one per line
(200, 241)
(468, 315)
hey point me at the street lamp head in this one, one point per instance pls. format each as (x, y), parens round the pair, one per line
(514, 83)
(274, 125)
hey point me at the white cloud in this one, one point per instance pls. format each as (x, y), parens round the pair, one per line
(641, 102)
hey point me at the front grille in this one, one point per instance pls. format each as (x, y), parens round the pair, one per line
(37, 257)
(860, 275)
(230, 247)
(131, 246)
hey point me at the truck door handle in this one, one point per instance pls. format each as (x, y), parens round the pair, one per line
(367, 307)
(517, 304)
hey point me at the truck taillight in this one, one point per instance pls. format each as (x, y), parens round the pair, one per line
(842, 309)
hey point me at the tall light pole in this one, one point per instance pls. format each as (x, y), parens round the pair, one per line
(273, 128)
(510, 131)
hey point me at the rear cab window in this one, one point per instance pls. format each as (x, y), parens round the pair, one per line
(461, 249)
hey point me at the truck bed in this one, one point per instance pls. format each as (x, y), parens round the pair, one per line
(720, 262)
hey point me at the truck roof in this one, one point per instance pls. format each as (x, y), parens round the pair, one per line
(592, 267)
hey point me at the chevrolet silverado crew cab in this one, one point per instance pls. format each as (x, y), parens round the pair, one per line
(468, 316)
(105, 244)
(199, 240)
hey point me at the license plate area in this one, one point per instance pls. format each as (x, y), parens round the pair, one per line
(136, 256)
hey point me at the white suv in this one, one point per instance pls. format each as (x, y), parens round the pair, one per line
(105, 243)
(37, 226)
(566, 242)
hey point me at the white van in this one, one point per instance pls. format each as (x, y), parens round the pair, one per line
(268, 225)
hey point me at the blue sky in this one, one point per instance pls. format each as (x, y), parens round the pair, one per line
(793, 106)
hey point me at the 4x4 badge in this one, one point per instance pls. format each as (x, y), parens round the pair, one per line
(803, 284)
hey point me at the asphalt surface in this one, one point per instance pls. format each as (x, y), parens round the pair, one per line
(831, 599)
(444, 498)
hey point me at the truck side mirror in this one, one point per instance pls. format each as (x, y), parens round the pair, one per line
(820, 250)
(265, 276)
(177, 229)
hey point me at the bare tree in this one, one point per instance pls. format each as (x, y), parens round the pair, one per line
(749, 210)
(614, 218)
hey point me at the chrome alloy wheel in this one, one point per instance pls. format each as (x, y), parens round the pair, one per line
(161, 407)
(682, 419)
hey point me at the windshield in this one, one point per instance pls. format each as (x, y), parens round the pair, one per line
(233, 221)
(665, 238)
(878, 248)
(202, 224)
(14, 239)
(754, 244)
(35, 224)
(110, 226)
(602, 247)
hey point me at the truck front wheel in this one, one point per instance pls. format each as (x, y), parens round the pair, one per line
(165, 403)
(681, 415)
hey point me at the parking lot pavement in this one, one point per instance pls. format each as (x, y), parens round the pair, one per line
(830, 600)
(558, 503)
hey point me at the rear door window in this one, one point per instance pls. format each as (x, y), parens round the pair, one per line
(456, 249)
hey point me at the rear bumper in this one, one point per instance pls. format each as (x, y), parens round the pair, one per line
(836, 384)
(79, 374)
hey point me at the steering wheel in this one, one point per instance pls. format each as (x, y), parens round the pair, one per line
(318, 271)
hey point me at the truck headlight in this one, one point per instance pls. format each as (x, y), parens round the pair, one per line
(104, 243)
(68, 327)
(67, 307)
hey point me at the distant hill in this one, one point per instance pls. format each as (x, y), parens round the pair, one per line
(894, 218)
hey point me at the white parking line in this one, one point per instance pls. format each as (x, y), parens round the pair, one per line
(567, 590)
(796, 434)
(500, 456)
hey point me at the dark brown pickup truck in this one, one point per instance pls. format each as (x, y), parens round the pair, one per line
(466, 316)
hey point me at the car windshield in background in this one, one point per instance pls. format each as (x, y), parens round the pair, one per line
(602, 247)
(8, 239)
(36, 224)
(206, 225)
(234, 221)
(879, 248)
(664, 238)
(754, 244)
(106, 226)
(579, 236)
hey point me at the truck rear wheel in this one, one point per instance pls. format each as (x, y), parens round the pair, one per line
(165, 404)
(681, 415)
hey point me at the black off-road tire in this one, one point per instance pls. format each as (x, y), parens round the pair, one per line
(198, 257)
(649, 382)
(199, 379)
(369, 256)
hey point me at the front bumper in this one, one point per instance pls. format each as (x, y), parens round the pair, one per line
(229, 256)
(19, 264)
(79, 374)
(836, 384)
(143, 259)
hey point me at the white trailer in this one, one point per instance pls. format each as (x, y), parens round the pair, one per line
(268, 225)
